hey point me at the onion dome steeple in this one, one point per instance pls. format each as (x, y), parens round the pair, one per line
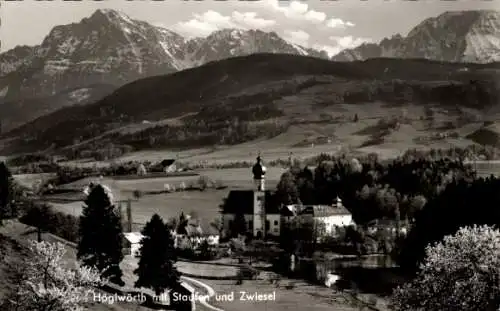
(259, 172)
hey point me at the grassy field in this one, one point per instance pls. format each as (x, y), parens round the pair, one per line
(206, 270)
(205, 204)
(29, 180)
(330, 130)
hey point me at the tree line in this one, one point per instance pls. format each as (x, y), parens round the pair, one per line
(369, 189)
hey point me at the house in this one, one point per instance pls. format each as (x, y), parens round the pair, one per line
(330, 216)
(169, 165)
(193, 234)
(141, 170)
(132, 243)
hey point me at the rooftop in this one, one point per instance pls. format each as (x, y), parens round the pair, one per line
(323, 210)
(133, 237)
(242, 201)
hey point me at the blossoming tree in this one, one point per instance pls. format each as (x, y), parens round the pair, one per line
(460, 273)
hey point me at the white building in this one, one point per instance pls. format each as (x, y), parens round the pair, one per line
(141, 170)
(132, 243)
(330, 216)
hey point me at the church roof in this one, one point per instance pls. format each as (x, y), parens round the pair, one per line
(242, 201)
(323, 210)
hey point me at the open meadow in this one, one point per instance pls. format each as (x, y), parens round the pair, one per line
(333, 131)
(204, 204)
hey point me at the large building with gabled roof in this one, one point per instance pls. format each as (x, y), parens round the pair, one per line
(265, 216)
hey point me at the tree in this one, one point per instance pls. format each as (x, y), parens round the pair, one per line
(45, 283)
(157, 257)
(101, 235)
(462, 272)
(182, 224)
(39, 216)
(205, 250)
(286, 190)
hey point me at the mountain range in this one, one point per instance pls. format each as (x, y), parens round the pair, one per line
(462, 36)
(110, 55)
(240, 99)
(111, 48)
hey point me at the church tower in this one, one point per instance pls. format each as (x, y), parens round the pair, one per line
(259, 214)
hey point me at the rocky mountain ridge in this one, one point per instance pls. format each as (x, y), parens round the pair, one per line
(457, 36)
(109, 47)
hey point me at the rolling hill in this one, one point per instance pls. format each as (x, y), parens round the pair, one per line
(241, 99)
(18, 112)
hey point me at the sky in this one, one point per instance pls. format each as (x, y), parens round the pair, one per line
(324, 25)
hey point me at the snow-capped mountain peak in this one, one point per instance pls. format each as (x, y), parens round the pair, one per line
(111, 47)
(455, 36)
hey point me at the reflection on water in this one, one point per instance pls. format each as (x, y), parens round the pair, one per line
(371, 274)
(368, 262)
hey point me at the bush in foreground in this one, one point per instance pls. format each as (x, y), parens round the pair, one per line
(460, 273)
(45, 284)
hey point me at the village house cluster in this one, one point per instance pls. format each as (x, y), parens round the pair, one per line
(264, 216)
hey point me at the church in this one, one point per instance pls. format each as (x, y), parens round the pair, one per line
(259, 207)
(265, 216)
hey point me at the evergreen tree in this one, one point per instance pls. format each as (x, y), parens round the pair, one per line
(182, 224)
(101, 235)
(41, 217)
(157, 257)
